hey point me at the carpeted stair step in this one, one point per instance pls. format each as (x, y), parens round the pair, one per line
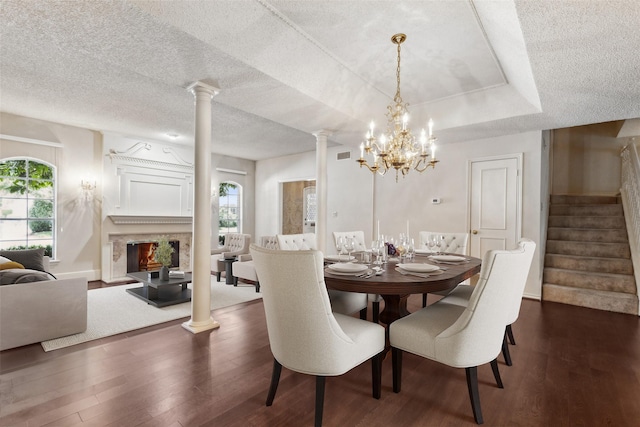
(588, 235)
(589, 249)
(586, 210)
(584, 200)
(596, 264)
(590, 280)
(593, 222)
(602, 300)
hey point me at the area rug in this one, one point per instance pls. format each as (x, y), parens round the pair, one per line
(113, 310)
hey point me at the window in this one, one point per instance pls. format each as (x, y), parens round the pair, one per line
(27, 201)
(230, 209)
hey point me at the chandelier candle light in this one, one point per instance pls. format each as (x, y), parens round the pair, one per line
(398, 148)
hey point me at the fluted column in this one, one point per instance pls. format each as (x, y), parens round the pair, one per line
(321, 187)
(201, 319)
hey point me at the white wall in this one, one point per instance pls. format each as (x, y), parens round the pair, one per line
(78, 156)
(360, 203)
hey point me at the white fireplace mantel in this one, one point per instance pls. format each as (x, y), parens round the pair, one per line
(150, 219)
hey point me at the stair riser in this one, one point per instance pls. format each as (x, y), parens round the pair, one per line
(618, 303)
(604, 265)
(601, 210)
(578, 279)
(584, 200)
(594, 222)
(613, 250)
(582, 235)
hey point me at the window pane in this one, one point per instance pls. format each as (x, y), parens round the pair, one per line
(13, 208)
(40, 229)
(41, 189)
(13, 187)
(40, 208)
(39, 171)
(13, 168)
(13, 229)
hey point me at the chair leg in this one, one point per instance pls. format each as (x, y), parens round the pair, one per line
(275, 379)
(424, 300)
(235, 281)
(257, 286)
(505, 350)
(363, 314)
(319, 400)
(496, 372)
(375, 307)
(376, 375)
(218, 276)
(474, 395)
(510, 334)
(396, 362)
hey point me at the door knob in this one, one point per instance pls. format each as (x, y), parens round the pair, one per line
(474, 231)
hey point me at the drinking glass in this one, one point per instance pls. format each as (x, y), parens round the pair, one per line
(431, 242)
(349, 246)
(411, 249)
(339, 247)
(439, 243)
(376, 251)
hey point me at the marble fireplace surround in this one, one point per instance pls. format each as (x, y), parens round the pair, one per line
(118, 240)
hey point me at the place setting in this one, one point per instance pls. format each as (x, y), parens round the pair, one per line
(418, 269)
(350, 269)
(448, 259)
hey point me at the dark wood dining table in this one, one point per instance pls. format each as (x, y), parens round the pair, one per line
(395, 287)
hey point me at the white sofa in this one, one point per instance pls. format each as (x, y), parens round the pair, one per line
(39, 311)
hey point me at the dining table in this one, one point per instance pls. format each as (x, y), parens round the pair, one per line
(395, 286)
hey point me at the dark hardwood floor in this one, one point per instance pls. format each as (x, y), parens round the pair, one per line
(572, 366)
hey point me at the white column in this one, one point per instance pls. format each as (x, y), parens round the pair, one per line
(321, 187)
(201, 278)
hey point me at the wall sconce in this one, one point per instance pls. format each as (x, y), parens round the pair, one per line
(88, 185)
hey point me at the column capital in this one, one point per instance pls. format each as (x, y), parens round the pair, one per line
(322, 133)
(200, 87)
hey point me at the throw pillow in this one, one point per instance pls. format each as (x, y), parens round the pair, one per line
(14, 276)
(10, 264)
(30, 258)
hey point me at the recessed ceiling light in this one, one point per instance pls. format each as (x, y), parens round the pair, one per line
(173, 135)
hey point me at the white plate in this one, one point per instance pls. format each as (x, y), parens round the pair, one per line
(424, 251)
(347, 267)
(339, 258)
(419, 268)
(337, 273)
(448, 258)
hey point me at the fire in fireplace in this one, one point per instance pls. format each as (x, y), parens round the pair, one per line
(140, 256)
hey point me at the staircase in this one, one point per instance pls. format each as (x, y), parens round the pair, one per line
(588, 259)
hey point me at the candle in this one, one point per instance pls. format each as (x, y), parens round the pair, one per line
(362, 150)
(433, 152)
(378, 229)
(407, 229)
(430, 128)
(371, 127)
(405, 119)
(423, 140)
(383, 141)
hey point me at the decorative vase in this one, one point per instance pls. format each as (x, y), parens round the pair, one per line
(164, 273)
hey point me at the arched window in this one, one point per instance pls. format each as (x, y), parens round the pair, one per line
(27, 204)
(230, 209)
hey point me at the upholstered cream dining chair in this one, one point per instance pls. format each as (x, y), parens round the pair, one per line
(361, 246)
(234, 244)
(462, 294)
(304, 334)
(341, 302)
(466, 336)
(454, 243)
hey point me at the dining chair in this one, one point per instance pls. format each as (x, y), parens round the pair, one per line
(462, 294)
(234, 244)
(361, 246)
(244, 267)
(466, 336)
(455, 243)
(304, 334)
(341, 302)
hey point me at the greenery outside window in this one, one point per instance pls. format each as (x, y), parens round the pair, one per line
(27, 201)
(230, 209)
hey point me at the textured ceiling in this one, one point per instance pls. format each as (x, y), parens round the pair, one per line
(288, 68)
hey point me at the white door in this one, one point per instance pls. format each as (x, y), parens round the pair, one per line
(495, 206)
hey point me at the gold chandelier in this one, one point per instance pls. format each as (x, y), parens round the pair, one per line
(398, 148)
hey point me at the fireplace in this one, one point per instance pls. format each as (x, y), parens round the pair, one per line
(140, 256)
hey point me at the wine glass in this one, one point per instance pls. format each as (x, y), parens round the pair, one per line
(411, 249)
(376, 250)
(349, 246)
(439, 244)
(431, 242)
(340, 247)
